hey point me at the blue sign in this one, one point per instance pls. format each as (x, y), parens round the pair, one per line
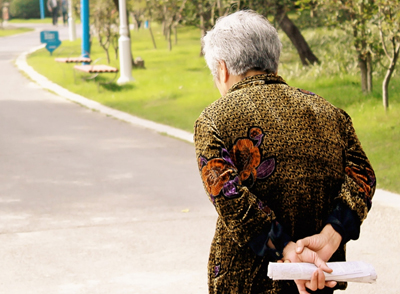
(51, 39)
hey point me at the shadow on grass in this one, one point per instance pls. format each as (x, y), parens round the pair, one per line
(110, 84)
(114, 87)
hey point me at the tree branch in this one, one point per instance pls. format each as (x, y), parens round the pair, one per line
(382, 36)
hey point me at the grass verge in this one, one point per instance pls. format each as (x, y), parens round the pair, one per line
(31, 20)
(176, 86)
(8, 31)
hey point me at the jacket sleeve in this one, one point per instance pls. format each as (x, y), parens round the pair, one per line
(243, 214)
(359, 184)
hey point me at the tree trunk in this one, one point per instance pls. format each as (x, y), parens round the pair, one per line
(219, 6)
(385, 90)
(362, 64)
(297, 39)
(135, 22)
(176, 34)
(388, 76)
(169, 37)
(116, 3)
(152, 36)
(369, 72)
(202, 25)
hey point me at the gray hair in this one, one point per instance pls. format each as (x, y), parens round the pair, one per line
(245, 40)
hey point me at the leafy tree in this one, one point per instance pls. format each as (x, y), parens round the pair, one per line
(1, 14)
(356, 17)
(389, 31)
(105, 23)
(25, 9)
(169, 13)
(279, 9)
(203, 14)
(149, 13)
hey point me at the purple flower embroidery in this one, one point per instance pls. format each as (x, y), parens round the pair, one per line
(201, 162)
(226, 157)
(306, 92)
(266, 168)
(229, 188)
(217, 268)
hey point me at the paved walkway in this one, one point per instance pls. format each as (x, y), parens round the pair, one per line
(91, 204)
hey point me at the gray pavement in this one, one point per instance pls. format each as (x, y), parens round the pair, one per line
(91, 204)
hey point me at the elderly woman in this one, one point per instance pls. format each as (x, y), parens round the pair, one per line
(280, 165)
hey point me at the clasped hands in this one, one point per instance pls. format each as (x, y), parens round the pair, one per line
(316, 249)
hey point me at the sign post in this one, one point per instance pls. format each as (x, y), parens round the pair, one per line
(41, 9)
(51, 39)
(85, 28)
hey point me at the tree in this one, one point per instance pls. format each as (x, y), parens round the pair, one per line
(291, 30)
(279, 9)
(105, 23)
(389, 30)
(204, 13)
(169, 13)
(149, 13)
(1, 14)
(356, 17)
(25, 9)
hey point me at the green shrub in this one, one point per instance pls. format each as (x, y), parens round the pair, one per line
(25, 8)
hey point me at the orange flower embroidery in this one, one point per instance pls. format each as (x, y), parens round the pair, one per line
(255, 132)
(246, 158)
(215, 174)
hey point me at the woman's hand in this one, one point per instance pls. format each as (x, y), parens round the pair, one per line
(307, 255)
(324, 243)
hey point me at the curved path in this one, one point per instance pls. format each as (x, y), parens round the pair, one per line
(92, 204)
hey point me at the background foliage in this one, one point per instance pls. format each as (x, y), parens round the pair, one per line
(26, 9)
(176, 85)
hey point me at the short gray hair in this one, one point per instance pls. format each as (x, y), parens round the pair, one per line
(245, 40)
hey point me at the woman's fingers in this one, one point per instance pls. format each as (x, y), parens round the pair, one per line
(300, 244)
(330, 284)
(313, 283)
(320, 279)
(320, 263)
(301, 286)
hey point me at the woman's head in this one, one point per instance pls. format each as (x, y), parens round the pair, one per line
(245, 41)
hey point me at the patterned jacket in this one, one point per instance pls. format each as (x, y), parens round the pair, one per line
(270, 153)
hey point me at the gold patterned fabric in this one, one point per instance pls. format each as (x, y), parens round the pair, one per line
(267, 151)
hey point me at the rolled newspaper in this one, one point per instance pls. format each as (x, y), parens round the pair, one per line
(350, 271)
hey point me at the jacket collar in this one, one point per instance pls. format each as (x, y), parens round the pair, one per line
(257, 80)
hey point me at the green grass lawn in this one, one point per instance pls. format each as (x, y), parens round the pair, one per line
(8, 31)
(31, 20)
(46, 20)
(176, 86)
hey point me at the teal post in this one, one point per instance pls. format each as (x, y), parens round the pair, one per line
(41, 8)
(85, 28)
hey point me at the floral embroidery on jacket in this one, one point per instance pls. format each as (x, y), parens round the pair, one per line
(218, 173)
(215, 174)
(246, 157)
(365, 179)
(306, 92)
